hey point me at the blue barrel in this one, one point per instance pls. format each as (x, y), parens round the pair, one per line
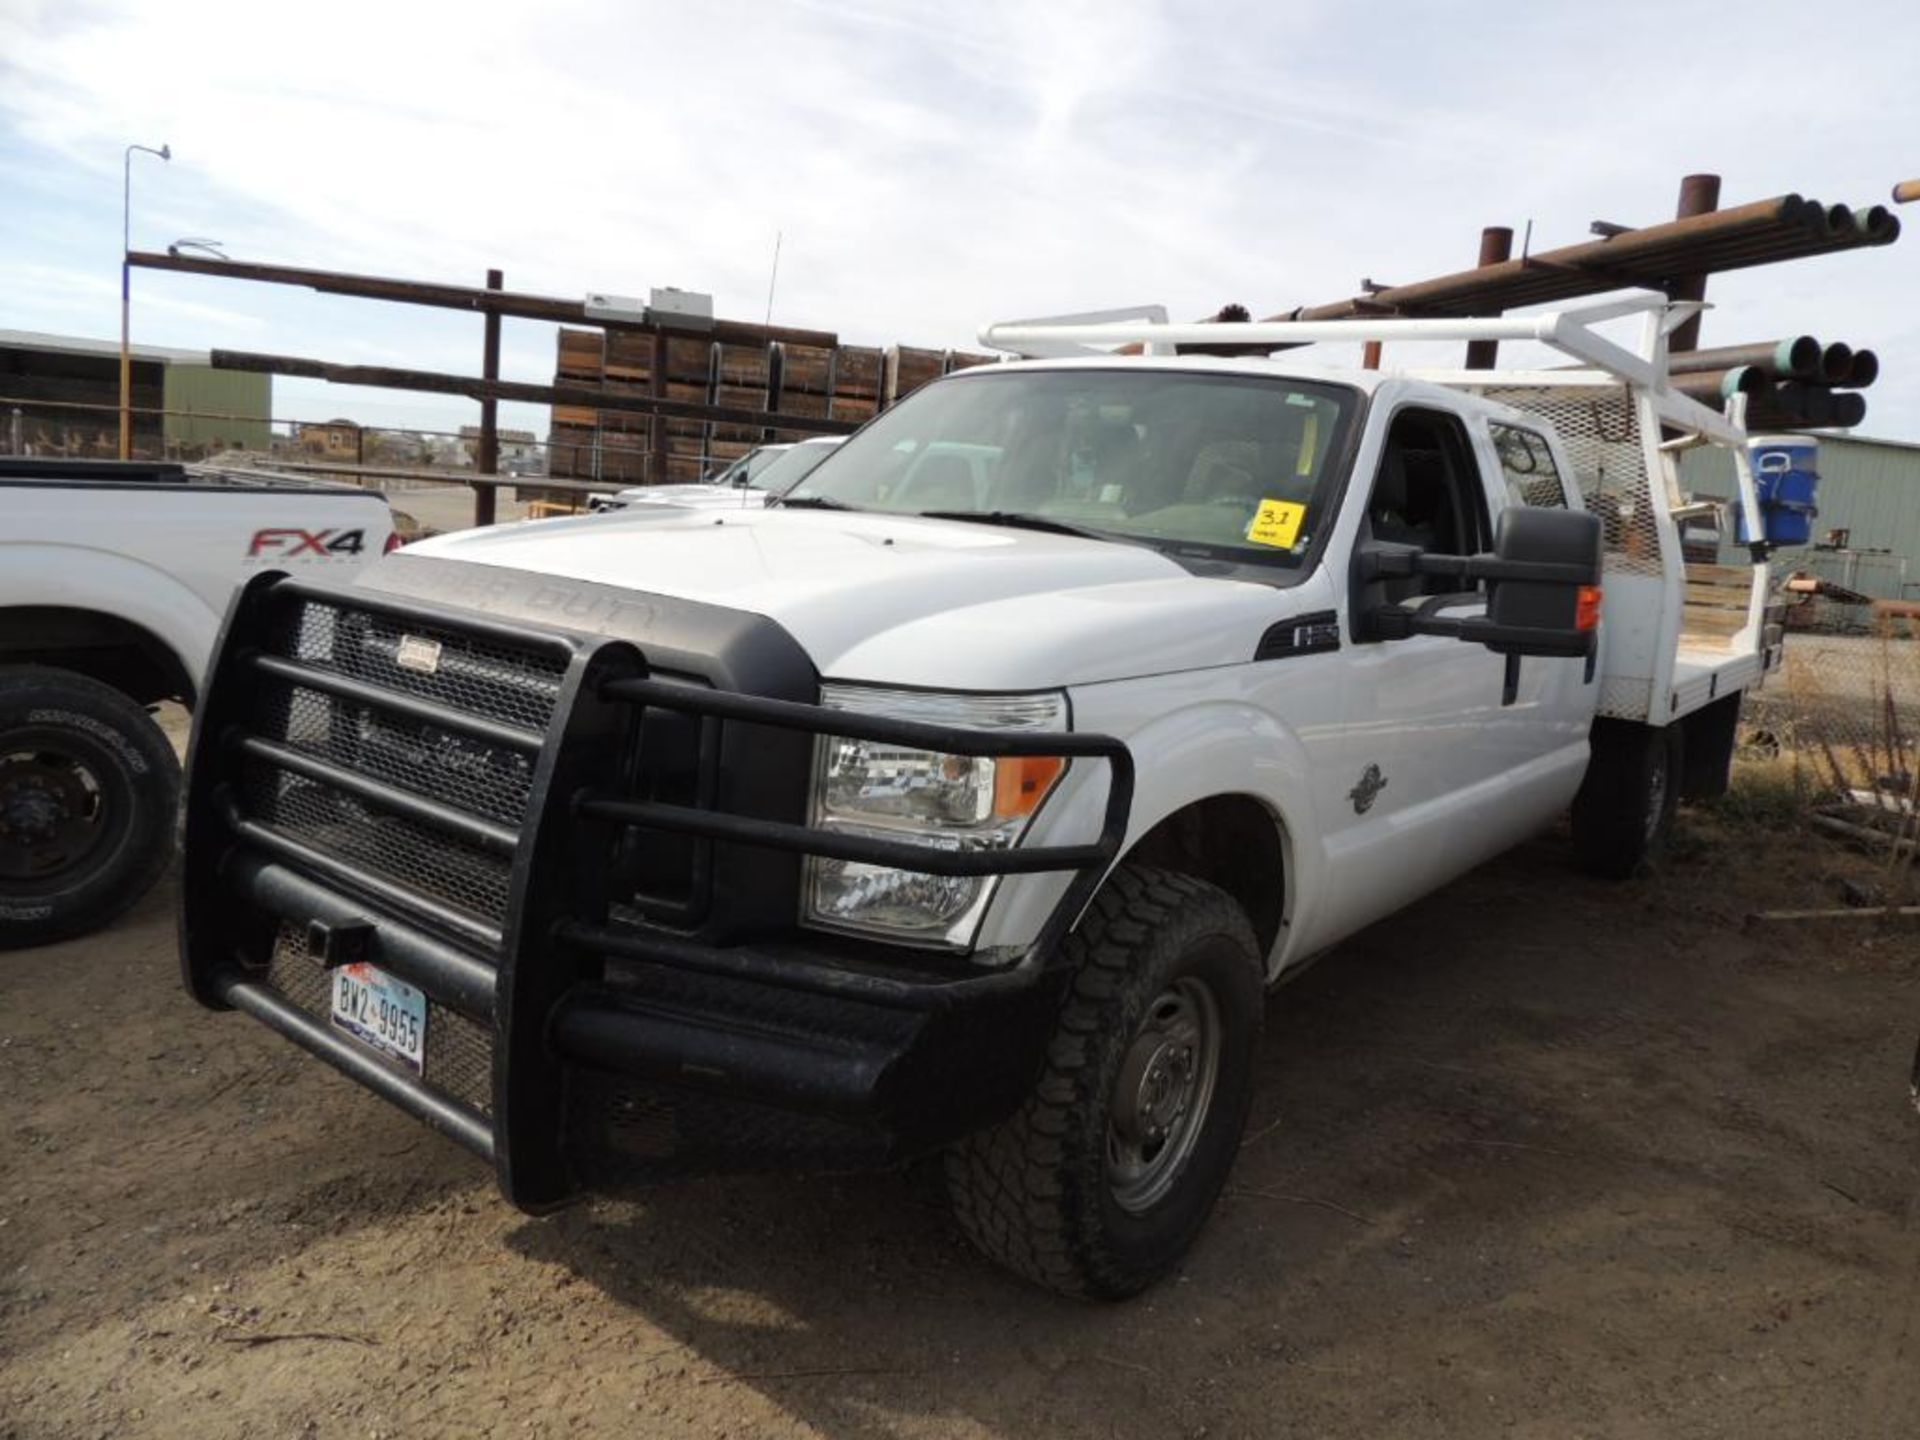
(1786, 481)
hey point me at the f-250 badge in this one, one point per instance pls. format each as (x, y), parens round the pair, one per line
(1372, 782)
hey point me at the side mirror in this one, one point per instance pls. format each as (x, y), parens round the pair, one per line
(1543, 586)
(1546, 616)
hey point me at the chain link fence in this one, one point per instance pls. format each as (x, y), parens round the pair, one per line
(1842, 717)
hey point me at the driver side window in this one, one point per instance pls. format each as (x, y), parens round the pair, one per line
(1428, 494)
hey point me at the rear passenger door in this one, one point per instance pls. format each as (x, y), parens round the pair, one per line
(1554, 696)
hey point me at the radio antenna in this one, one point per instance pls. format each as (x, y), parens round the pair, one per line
(774, 276)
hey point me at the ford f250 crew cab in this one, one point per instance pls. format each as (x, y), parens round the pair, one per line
(113, 579)
(975, 814)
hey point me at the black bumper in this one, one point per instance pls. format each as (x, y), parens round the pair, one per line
(471, 829)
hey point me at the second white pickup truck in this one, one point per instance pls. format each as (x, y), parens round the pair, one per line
(975, 813)
(113, 579)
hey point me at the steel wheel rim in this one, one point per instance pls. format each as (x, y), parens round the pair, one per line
(1656, 797)
(1163, 1094)
(53, 813)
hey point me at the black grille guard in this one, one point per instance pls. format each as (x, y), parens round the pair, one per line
(557, 934)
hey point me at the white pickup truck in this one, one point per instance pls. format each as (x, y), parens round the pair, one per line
(974, 816)
(113, 579)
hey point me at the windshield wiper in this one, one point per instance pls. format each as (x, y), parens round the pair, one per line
(1016, 520)
(809, 502)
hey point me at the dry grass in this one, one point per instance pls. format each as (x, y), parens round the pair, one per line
(1833, 759)
(1853, 709)
(1767, 792)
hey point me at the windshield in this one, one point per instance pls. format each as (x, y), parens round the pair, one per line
(791, 465)
(1229, 465)
(751, 470)
(742, 471)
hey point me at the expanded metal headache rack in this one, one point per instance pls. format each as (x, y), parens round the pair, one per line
(1680, 634)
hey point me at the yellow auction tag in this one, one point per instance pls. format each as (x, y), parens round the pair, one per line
(1277, 523)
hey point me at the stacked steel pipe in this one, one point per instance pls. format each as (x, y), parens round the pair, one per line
(1788, 383)
(1656, 257)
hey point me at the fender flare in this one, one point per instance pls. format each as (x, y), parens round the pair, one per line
(1211, 749)
(80, 577)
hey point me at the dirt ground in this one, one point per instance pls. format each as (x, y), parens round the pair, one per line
(1539, 1157)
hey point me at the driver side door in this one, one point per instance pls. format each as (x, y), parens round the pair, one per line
(1428, 748)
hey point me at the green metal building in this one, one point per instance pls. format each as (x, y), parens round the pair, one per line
(1867, 532)
(214, 408)
(60, 395)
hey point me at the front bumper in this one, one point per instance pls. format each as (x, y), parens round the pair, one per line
(572, 1040)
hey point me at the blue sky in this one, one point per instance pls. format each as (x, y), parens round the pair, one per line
(931, 166)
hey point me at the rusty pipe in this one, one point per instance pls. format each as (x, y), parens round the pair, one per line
(1711, 387)
(1678, 243)
(1767, 248)
(1766, 413)
(1872, 221)
(1699, 195)
(1878, 231)
(1784, 405)
(1833, 219)
(1802, 406)
(1813, 403)
(1864, 370)
(1540, 283)
(1496, 246)
(1795, 358)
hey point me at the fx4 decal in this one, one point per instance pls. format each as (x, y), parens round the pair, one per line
(292, 544)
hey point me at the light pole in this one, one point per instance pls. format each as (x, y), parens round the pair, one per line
(165, 152)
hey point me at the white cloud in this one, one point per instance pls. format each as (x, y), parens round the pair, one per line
(47, 297)
(934, 166)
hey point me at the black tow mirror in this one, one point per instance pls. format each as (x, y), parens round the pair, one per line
(1543, 586)
(1546, 616)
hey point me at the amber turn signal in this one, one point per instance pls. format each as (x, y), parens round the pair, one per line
(1021, 782)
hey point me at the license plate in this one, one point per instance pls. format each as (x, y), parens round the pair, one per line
(387, 1014)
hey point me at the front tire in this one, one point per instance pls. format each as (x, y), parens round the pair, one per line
(1625, 807)
(1097, 1186)
(89, 788)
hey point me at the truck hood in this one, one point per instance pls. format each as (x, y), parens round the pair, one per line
(900, 600)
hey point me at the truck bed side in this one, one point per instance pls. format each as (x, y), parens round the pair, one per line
(163, 554)
(1679, 634)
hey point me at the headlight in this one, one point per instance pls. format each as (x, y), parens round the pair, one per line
(953, 802)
